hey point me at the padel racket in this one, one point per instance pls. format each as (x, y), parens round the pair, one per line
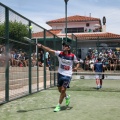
(29, 40)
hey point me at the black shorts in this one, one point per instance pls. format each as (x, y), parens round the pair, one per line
(63, 81)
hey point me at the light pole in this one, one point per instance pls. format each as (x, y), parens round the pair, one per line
(66, 1)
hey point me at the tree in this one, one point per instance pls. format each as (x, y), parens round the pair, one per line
(17, 30)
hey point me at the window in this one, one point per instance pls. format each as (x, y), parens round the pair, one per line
(75, 30)
(87, 24)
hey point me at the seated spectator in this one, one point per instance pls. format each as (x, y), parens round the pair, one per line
(2, 55)
(106, 63)
(49, 63)
(118, 64)
(12, 59)
(16, 58)
(23, 62)
(2, 59)
(46, 57)
(34, 60)
(111, 63)
(26, 58)
(91, 62)
(114, 61)
(39, 60)
(87, 63)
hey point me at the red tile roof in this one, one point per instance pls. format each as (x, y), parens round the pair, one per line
(75, 18)
(94, 36)
(49, 33)
(57, 31)
(80, 36)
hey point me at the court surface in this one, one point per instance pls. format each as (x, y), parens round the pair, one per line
(87, 103)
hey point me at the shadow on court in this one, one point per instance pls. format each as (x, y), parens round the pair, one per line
(66, 108)
(20, 111)
(62, 108)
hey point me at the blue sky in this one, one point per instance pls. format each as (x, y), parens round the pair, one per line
(41, 11)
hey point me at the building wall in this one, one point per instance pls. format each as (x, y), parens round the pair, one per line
(75, 25)
(84, 47)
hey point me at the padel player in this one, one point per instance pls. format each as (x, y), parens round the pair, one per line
(98, 68)
(66, 60)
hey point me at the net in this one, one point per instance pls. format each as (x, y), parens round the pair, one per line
(86, 81)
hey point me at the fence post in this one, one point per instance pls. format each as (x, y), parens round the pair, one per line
(37, 66)
(54, 61)
(72, 43)
(30, 73)
(7, 52)
(76, 48)
(44, 60)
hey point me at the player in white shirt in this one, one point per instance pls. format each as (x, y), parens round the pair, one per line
(66, 60)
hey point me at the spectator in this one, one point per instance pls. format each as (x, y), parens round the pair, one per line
(16, 58)
(49, 63)
(41, 57)
(91, 62)
(114, 61)
(39, 60)
(26, 58)
(46, 58)
(23, 62)
(11, 57)
(87, 63)
(34, 60)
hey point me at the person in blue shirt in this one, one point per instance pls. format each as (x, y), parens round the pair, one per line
(98, 68)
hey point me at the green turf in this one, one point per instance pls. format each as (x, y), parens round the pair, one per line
(87, 103)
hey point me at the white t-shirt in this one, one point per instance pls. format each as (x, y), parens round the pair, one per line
(66, 62)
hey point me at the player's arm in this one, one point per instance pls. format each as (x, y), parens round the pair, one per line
(46, 49)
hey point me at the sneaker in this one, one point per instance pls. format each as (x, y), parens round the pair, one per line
(57, 108)
(100, 86)
(68, 100)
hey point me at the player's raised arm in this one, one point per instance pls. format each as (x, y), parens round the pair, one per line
(46, 49)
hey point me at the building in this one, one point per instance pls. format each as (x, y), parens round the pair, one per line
(89, 32)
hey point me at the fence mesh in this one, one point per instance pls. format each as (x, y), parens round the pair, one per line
(22, 69)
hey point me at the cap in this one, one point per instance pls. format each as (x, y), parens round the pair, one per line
(66, 44)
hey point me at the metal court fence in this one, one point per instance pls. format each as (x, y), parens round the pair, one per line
(20, 70)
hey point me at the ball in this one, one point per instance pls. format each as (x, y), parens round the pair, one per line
(30, 27)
